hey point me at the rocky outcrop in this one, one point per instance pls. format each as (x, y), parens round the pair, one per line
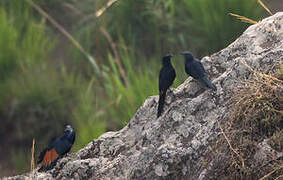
(179, 144)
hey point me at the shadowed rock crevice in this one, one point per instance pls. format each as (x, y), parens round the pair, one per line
(182, 143)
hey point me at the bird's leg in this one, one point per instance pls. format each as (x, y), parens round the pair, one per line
(170, 95)
(65, 155)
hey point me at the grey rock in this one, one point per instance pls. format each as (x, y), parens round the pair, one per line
(175, 145)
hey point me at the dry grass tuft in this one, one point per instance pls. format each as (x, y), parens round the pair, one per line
(256, 115)
(258, 103)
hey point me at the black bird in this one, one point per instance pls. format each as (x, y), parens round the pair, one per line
(57, 149)
(195, 69)
(166, 78)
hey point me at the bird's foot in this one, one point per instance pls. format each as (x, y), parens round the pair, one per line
(171, 91)
(170, 96)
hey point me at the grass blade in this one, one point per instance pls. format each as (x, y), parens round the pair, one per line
(243, 18)
(67, 34)
(266, 8)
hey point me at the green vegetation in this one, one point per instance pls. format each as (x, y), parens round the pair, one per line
(40, 94)
(37, 97)
(211, 22)
(20, 159)
(8, 43)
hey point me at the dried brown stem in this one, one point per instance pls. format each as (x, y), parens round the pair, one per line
(264, 6)
(230, 145)
(66, 34)
(32, 164)
(250, 21)
(270, 173)
(103, 9)
(116, 54)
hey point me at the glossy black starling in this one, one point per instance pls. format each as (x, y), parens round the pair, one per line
(194, 68)
(166, 78)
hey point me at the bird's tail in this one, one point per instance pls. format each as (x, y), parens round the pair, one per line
(49, 159)
(207, 83)
(162, 95)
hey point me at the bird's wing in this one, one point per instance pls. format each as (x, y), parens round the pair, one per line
(63, 145)
(162, 79)
(166, 78)
(49, 156)
(43, 152)
(201, 68)
(193, 69)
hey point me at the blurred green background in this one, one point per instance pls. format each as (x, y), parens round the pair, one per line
(47, 82)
